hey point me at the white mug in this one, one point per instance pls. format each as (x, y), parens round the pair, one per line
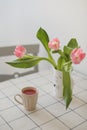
(29, 98)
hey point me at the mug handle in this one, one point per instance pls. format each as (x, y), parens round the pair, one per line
(15, 97)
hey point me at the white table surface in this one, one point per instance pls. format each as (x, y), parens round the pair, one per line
(50, 113)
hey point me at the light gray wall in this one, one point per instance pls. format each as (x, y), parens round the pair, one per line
(20, 20)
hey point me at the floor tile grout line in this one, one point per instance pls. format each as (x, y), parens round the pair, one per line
(16, 119)
(6, 122)
(20, 110)
(64, 114)
(78, 125)
(56, 117)
(4, 93)
(45, 122)
(35, 128)
(73, 109)
(49, 94)
(83, 89)
(2, 119)
(72, 127)
(27, 115)
(79, 92)
(46, 110)
(63, 123)
(79, 115)
(75, 113)
(7, 95)
(43, 108)
(7, 108)
(58, 101)
(80, 99)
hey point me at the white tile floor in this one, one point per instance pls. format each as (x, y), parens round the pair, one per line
(50, 113)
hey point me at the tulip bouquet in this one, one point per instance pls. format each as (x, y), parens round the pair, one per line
(71, 53)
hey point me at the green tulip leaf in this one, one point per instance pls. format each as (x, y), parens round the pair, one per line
(73, 43)
(67, 90)
(67, 50)
(25, 63)
(61, 62)
(43, 37)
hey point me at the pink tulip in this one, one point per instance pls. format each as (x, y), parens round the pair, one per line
(20, 51)
(77, 55)
(54, 44)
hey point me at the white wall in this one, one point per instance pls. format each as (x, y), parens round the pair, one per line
(20, 20)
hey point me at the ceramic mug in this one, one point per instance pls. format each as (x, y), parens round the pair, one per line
(29, 96)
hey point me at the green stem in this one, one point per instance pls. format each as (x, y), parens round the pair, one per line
(70, 62)
(51, 61)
